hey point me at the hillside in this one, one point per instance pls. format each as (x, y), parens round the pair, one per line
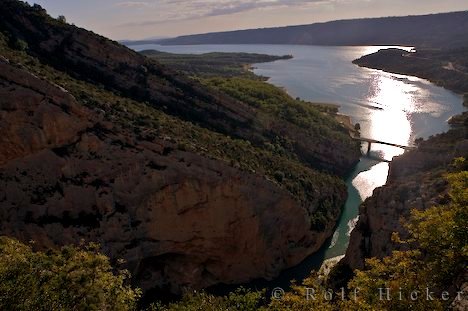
(117, 68)
(445, 30)
(213, 64)
(190, 186)
(446, 68)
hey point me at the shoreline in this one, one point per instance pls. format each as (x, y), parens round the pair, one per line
(431, 70)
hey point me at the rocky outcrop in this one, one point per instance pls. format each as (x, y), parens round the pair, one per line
(178, 219)
(35, 115)
(415, 182)
(97, 59)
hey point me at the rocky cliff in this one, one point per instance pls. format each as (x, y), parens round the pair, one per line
(98, 143)
(415, 181)
(177, 218)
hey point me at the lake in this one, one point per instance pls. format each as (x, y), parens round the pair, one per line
(389, 107)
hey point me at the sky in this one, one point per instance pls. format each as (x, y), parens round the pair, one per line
(139, 19)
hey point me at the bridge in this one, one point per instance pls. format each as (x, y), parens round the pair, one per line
(371, 141)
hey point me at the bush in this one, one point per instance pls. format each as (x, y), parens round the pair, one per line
(71, 278)
(20, 45)
(239, 300)
(279, 176)
(62, 19)
(439, 235)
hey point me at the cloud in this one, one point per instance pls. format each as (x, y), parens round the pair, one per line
(178, 10)
(241, 6)
(133, 4)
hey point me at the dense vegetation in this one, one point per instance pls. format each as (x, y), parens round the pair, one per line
(213, 64)
(229, 73)
(71, 278)
(438, 254)
(317, 118)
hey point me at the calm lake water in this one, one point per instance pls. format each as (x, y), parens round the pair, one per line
(389, 107)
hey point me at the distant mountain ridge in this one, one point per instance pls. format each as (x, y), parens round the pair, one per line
(424, 31)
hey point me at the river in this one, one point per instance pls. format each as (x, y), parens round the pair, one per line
(389, 107)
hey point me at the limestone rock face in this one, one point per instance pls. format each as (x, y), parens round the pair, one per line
(178, 219)
(35, 115)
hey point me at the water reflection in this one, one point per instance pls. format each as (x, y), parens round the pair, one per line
(394, 100)
(390, 102)
(367, 181)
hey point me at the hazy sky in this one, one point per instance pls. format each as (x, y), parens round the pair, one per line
(137, 19)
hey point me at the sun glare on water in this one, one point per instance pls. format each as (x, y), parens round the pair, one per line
(391, 101)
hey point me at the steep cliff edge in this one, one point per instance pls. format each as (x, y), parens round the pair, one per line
(90, 151)
(415, 181)
(179, 219)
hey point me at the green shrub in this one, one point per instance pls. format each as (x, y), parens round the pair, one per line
(240, 300)
(71, 278)
(20, 45)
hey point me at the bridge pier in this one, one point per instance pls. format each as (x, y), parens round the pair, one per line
(369, 144)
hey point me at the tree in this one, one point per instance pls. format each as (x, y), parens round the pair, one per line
(62, 19)
(71, 278)
(239, 300)
(439, 238)
(20, 45)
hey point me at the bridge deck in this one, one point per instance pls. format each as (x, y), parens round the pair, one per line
(374, 141)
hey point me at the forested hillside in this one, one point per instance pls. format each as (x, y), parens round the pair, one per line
(444, 30)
